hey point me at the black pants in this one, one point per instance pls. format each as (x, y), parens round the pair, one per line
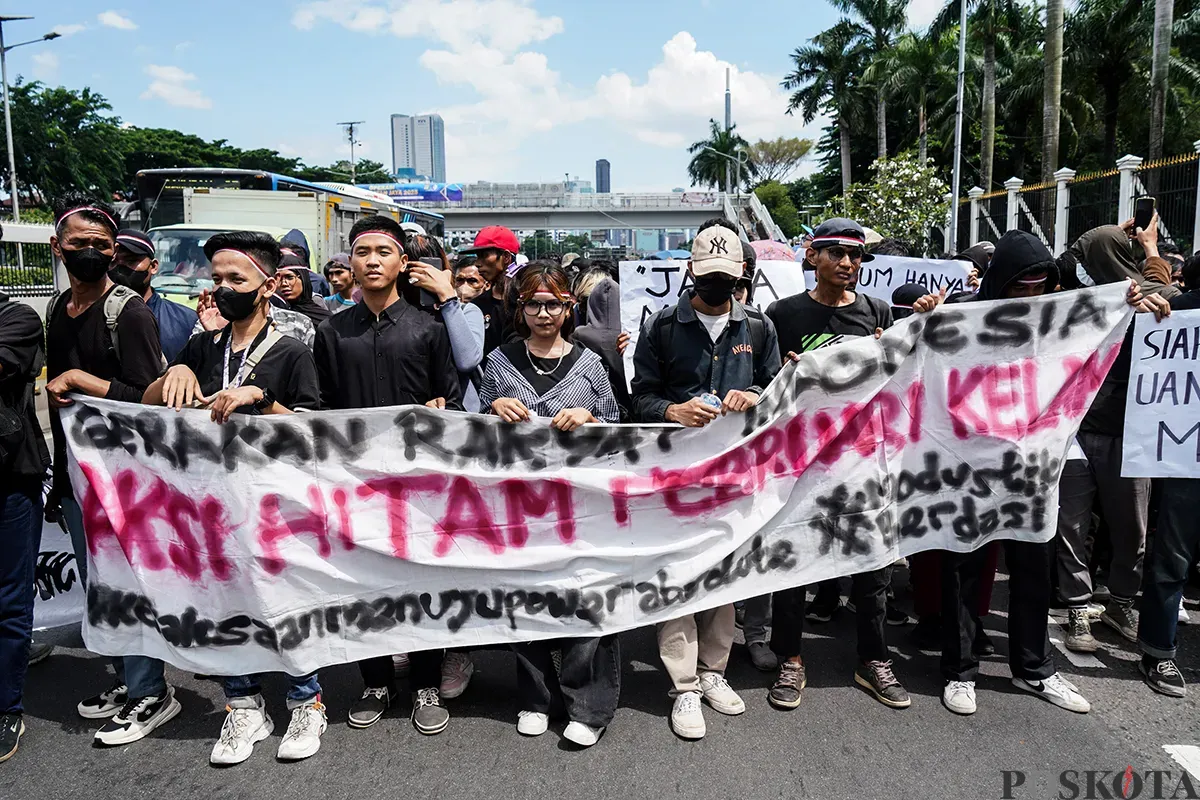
(588, 687)
(868, 590)
(425, 670)
(1028, 565)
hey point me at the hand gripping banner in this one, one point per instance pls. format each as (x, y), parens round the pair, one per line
(294, 542)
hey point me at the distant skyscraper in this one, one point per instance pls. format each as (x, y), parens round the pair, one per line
(602, 177)
(419, 147)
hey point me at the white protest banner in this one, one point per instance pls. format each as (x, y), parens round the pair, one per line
(647, 286)
(886, 274)
(1162, 408)
(288, 543)
(60, 597)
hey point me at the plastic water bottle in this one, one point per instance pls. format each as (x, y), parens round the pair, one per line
(711, 400)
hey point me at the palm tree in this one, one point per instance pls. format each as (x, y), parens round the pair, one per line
(914, 70)
(826, 78)
(1052, 88)
(1159, 66)
(875, 25)
(990, 20)
(707, 168)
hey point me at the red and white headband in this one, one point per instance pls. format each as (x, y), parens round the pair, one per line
(92, 209)
(249, 258)
(1034, 279)
(385, 234)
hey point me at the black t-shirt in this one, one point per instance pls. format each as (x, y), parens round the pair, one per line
(803, 324)
(287, 370)
(493, 321)
(20, 361)
(556, 369)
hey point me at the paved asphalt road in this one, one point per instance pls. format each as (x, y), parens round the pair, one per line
(840, 743)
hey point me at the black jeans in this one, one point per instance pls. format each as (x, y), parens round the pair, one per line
(1028, 565)
(588, 687)
(20, 537)
(868, 590)
(1176, 548)
(424, 672)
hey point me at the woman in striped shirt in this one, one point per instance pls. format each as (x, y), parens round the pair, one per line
(544, 375)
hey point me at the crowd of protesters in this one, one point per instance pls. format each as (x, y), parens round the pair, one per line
(397, 320)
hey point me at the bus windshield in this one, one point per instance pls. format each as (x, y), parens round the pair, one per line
(182, 266)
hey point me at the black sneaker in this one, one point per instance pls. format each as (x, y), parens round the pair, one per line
(369, 708)
(429, 716)
(12, 727)
(39, 652)
(789, 686)
(106, 704)
(823, 607)
(138, 717)
(1163, 676)
(739, 615)
(927, 633)
(878, 679)
(897, 617)
(763, 657)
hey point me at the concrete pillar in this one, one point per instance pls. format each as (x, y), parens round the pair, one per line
(975, 192)
(1127, 164)
(1013, 186)
(1062, 206)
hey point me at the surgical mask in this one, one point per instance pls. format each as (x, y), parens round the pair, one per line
(135, 279)
(715, 290)
(235, 306)
(86, 264)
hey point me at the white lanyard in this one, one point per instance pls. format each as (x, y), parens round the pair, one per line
(241, 373)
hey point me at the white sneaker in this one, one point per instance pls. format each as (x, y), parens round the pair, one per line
(720, 695)
(1057, 690)
(137, 718)
(457, 669)
(687, 717)
(582, 735)
(959, 697)
(246, 723)
(532, 723)
(303, 737)
(106, 704)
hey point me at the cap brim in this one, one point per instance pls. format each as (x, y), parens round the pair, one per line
(140, 250)
(474, 251)
(723, 265)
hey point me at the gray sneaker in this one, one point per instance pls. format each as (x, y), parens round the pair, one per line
(1079, 632)
(789, 686)
(369, 708)
(40, 651)
(429, 716)
(1120, 616)
(763, 657)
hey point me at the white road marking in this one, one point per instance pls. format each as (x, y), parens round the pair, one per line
(1080, 660)
(1187, 756)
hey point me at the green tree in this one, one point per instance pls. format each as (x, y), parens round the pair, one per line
(1160, 65)
(365, 171)
(874, 25)
(774, 196)
(707, 168)
(917, 68)
(1052, 54)
(825, 78)
(905, 200)
(776, 159)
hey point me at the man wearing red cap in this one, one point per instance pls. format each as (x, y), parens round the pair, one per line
(495, 249)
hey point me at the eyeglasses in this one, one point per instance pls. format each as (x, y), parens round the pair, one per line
(553, 308)
(837, 253)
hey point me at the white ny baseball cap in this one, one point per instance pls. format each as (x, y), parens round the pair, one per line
(717, 249)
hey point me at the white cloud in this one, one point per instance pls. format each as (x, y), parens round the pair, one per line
(112, 19)
(922, 12)
(68, 30)
(170, 85)
(45, 66)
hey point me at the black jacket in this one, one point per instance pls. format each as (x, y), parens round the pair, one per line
(21, 357)
(676, 359)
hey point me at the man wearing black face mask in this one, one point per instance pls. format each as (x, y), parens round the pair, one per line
(102, 341)
(695, 361)
(135, 266)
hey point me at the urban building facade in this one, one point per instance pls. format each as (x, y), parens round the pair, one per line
(419, 147)
(603, 178)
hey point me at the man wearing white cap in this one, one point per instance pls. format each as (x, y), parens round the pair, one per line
(695, 361)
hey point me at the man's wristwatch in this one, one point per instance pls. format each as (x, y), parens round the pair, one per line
(267, 400)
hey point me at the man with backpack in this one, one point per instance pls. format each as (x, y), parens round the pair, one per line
(101, 341)
(695, 361)
(23, 462)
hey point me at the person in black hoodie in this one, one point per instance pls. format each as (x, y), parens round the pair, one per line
(602, 335)
(295, 286)
(1021, 267)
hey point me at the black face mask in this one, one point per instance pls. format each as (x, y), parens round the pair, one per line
(235, 306)
(135, 279)
(715, 290)
(87, 264)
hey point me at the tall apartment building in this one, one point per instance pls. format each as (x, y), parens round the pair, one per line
(603, 185)
(419, 147)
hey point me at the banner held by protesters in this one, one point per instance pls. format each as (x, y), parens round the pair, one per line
(294, 542)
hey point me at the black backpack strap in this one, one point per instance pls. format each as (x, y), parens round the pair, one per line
(758, 332)
(663, 347)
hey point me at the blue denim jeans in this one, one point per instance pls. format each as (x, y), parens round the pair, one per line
(1176, 548)
(142, 674)
(20, 537)
(300, 690)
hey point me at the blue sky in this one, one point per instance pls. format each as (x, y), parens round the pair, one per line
(529, 89)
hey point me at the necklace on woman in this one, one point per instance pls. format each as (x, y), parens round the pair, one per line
(539, 370)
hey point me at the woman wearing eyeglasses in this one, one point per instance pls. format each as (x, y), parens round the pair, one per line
(544, 375)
